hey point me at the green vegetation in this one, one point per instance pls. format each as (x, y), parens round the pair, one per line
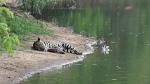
(38, 6)
(8, 40)
(35, 6)
(13, 28)
(23, 26)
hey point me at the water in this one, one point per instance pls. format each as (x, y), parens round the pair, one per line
(125, 24)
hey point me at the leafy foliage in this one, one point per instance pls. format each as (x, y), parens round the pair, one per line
(2, 2)
(6, 12)
(3, 27)
(35, 6)
(9, 41)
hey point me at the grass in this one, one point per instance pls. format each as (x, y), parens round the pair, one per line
(25, 26)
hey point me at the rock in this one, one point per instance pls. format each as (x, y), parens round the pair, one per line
(14, 3)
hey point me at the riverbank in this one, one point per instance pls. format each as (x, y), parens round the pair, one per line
(24, 62)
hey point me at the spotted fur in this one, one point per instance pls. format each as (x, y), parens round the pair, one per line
(56, 48)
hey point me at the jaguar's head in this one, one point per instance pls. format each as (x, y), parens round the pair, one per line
(37, 45)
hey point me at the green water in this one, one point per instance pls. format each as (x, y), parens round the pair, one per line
(126, 26)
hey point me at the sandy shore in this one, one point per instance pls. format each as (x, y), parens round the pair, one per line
(24, 62)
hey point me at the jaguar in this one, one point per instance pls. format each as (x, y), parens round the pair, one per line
(60, 47)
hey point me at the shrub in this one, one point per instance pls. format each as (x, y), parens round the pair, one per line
(8, 40)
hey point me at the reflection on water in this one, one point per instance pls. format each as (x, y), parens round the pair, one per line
(126, 26)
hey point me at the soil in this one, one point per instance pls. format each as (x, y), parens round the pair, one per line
(24, 60)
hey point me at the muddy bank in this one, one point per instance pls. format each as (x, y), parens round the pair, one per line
(25, 62)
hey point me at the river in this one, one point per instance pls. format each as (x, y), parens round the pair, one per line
(125, 24)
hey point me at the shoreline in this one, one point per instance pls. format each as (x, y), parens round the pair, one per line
(26, 62)
(57, 66)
